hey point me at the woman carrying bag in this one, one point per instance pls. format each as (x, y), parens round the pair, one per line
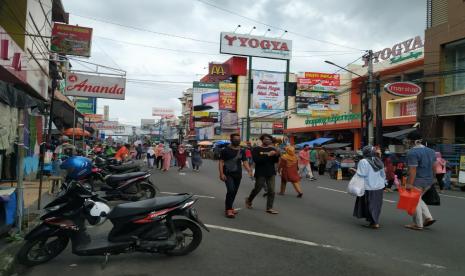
(371, 169)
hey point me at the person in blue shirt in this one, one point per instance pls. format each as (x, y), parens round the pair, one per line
(371, 168)
(421, 163)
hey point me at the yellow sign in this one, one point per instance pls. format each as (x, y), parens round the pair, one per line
(217, 69)
(462, 163)
(201, 113)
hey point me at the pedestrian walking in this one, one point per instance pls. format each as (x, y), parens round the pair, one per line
(196, 158)
(322, 160)
(371, 169)
(265, 158)
(167, 156)
(440, 170)
(289, 171)
(304, 163)
(139, 151)
(181, 157)
(421, 161)
(159, 156)
(150, 157)
(232, 159)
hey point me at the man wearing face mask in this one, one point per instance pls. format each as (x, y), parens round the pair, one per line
(265, 158)
(231, 159)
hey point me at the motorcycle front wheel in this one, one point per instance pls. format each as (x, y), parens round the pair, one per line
(188, 235)
(42, 250)
(146, 191)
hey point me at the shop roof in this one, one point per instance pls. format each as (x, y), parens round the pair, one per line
(318, 141)
(400, 135)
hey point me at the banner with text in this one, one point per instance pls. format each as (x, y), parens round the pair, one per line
(86, 105)
(227, 96)
(205, 100)
(163, 112)
(94, 86)
(268, 90)
(317, 94)
(71, 40)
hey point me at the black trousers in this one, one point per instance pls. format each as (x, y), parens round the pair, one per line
(232, 186)
(261, 182)
(321, 169)
(159, 162)
(440, 177)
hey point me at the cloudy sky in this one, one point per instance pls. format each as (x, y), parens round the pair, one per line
(164, 45)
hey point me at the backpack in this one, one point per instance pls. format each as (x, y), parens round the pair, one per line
(231, 165)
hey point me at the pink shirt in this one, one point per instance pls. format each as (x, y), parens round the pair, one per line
(304, 157)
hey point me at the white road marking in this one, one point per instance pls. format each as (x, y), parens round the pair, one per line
(344, 192)
(452, 196)
(203, 196)
(308, 243)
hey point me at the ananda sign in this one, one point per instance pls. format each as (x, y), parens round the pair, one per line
(398, 49)
(93, 86)
(258, 46)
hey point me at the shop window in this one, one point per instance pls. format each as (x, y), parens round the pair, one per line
(454, 61)
(415, 76)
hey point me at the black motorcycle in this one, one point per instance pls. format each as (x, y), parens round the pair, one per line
(167, 225)
(111, 165)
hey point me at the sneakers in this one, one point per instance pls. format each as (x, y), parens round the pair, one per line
(230, 213)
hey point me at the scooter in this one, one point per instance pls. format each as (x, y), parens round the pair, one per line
(168, 225)
(112, 166)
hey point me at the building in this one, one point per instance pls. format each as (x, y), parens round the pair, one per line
(444, 98)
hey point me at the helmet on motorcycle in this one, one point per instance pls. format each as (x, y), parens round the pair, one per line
(77, 167)
(99, 212)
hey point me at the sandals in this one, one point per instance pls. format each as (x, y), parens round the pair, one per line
(429, 222)
(413, 227)
(271, 211)
(248, 204)
(372, 226)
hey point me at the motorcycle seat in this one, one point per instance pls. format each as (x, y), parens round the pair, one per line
(125, 176)
(147, 206)
(124, 167)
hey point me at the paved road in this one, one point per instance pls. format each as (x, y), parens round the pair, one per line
(315, 235)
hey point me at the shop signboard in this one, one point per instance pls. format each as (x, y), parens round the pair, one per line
(403, 89)
(163, 112)
(71, 40)
(315, 81)
(334, 119)
(94, 86)
(316, 94)
(397, 50)
(268, 90)
(93, 118)
(256, 46)
(229, 120)
(227, 96)
(205, 98)
(86, 105)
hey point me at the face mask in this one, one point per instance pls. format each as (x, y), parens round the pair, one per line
(235, 143)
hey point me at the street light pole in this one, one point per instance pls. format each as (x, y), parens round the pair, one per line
(371, 138)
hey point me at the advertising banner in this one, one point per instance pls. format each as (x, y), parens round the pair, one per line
(71, 40)
(106, 125)
(227, 96)
(408, 108)
(163, 112)
(205, 100)
(93, 118)
(267, 113)
(257, 46)
(229, 120)
(84, 85)
(268, 90)
(316, 94)
(86, 105)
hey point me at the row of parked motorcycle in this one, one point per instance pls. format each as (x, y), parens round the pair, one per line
(149, 223)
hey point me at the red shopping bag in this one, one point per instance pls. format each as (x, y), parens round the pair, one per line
(408, 200)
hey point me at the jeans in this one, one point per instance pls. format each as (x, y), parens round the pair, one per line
(422, 212)
(232, 186)
(260, 182)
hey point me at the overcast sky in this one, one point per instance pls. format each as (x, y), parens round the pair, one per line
(321, 30)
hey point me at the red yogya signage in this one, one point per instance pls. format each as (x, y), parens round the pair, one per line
(258, 46)
(403, 89)
(93, 86)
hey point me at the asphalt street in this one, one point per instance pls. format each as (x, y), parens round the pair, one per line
(314, 235)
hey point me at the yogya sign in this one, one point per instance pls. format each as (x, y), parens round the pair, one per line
(345, 117)
(256, 46)
(403, 89)
(398, 49)
(93, 86)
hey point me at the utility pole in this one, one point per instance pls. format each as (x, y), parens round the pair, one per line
(249, 97)
(369, 122)
(379, 115)
(20, 171)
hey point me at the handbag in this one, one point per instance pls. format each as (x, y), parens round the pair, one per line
(356, 186)
(408, 200)
(431, 197)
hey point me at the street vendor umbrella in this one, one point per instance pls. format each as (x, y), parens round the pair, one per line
(76, 132)
(205, 143)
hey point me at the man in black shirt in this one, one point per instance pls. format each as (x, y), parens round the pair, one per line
(265, 158)
(231, 159)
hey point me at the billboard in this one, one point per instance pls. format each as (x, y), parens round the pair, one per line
(163, 112)
(71, 40)
(106, 125)
(268, 90)
(205, 99)
(257, 46)
(85, 85)
(93, 118)
(316, 94)
(227, 96)
(86, 105)
(229, 120)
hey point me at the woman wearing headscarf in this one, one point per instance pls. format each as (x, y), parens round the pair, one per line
(289, 170)
(167, 155)
(181, 157)
(150, 157)
(371, 168)
(440, 170)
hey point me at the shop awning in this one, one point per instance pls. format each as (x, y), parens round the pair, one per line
(318, 141)
(64, 112)
(336, 145)
(400, 135)
(13, 96)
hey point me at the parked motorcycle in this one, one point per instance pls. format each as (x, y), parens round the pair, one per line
(168, 225)
(110, 165)
(131, 186)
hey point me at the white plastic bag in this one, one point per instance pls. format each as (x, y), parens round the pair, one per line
(356, 186)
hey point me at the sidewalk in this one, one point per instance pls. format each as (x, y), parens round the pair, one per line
(8, 249)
